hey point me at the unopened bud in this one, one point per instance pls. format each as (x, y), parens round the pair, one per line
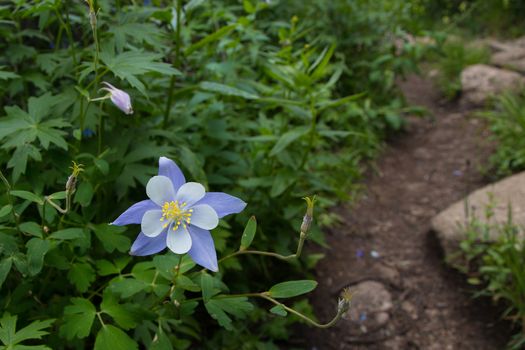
(71, 183)
(93, 19)
(72, 179)
(308, 217)
(345, 301)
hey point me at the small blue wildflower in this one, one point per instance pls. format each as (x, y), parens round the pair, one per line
(362, 317)
(147, 2)
(359, 253)
(178, 215)
(457, 173)
(87, 132)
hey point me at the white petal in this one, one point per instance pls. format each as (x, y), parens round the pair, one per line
(179, 241)
(204, 216)
(190, 193)
(160, 190)
(151, 224)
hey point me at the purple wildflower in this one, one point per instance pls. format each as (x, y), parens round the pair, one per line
(119, 98)
(178, 215)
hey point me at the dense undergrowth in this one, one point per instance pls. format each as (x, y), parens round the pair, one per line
(268, 101)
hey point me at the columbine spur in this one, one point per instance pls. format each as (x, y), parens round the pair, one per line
(119, 98)
(178, 215)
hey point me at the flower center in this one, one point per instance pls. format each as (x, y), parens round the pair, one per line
(175, 212)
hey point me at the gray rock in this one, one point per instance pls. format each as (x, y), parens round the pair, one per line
(480, 81)
(371, 303)
(449, 225)
(511, 58)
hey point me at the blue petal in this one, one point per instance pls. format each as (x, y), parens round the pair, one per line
(135, 213)
(168, 168)
(145, 245)
(224, 204)
(202, 248)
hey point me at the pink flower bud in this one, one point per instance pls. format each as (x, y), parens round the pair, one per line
(119, 98)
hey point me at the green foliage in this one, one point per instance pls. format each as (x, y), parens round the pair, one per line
(11, 338)
(507, 124)
(451, 58)
(497, 265)
(247, 98)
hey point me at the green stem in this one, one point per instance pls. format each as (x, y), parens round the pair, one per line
(302, 238)
(313, 125)
(336, 318)
(177, 62)
(10, 200)
(100, 127)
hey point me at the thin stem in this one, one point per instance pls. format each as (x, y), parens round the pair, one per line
(100, 127)
(298, 252)
(336, 318)
(177, 268)
(311, 138)
(100, 319)
(10, 200)
(177, 62)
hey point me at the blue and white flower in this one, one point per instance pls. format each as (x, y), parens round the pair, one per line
(178, 215)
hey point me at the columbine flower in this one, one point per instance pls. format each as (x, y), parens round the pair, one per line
(178, 215)
(119, 98)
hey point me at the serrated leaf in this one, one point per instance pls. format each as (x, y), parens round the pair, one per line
(81, 275)
(226, 90)
(279, 310)
(292, 288)
(11, 338)
(112, 338)
(111, 238)
(27, 195)
(78, 318)
(249, 233)
(208, 286)
(220, 308)
(36, 250)
(125, 315)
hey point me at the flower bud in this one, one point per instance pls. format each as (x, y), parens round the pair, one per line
(72, 179)
(345, 301)
(71, 183)
(119, 98)
(308, 217)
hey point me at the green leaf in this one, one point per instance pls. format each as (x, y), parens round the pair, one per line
(78, 318)
(292, 288)
(112, 338)
(208, 286)
(127, 287)
(226, 90)
(36, 250)
(5, 267)
(102, 165)
(68, 233)
(84, 194)
(5, 75)
(287, 138)
(11, 338)
(130, 64)
(221, 308)
(111, 238)
(161, 342)
(249, 233)
(186, 283)
(210, 38)
(32, 228)
(28, 195)
(279, 310)
(125, 315)
(6, 209)
(81, 275)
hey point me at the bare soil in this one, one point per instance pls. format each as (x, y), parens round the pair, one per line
(436, 162)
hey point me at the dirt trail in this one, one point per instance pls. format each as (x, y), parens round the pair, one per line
(435, 163)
